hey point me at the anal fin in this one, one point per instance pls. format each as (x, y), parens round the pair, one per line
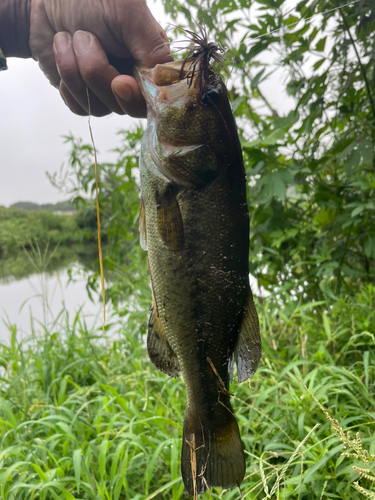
(159, 349)
(248, 350)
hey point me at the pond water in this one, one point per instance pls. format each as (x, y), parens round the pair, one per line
(41, 298)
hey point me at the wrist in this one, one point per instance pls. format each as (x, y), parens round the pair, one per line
(15, 27)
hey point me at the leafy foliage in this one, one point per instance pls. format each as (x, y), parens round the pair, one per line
(82, 417)
(311, 172)
(19, 227)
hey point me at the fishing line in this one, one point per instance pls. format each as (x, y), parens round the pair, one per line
(97, 209)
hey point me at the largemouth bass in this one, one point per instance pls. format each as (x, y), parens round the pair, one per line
(194, 222)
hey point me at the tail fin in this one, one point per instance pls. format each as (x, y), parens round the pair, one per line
(212, 455)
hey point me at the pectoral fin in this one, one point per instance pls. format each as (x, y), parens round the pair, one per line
(159, 349)
(142, 226)
(170, 225)
(248, 349)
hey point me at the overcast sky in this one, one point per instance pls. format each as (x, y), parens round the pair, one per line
(33, 119)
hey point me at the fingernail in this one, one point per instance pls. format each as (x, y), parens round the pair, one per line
(62, 41)
(81, 42)
(123, 91)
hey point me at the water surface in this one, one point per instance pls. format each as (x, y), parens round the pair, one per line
(40, 298)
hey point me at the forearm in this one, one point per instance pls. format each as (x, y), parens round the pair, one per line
(15, 27)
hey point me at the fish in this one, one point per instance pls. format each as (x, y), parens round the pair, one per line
(194, 224)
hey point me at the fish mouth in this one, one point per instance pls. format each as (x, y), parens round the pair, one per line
(166, 83)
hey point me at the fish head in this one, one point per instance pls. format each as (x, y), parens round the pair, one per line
(190, 122)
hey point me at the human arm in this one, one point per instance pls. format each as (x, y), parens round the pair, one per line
(15, 27)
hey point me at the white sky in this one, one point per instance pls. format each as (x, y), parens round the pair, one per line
(32, 122)
(33, 119)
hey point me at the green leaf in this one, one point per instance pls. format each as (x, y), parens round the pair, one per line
(369, 247)
(291, 20)
(103, 448)
(321, 462)
(286, 122)
(366, 150)
(257, 77)
(358, 210)
(321, 44)
(327, 291)
(275, 183)
(77, 456)
(237, 103)
(366, 359)
(327, 326)
(251, 144)
(352, 161)
(273, 137)
(39, 471)
(5, 407)
(317, 65)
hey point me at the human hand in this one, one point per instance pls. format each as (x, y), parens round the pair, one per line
(81, 44)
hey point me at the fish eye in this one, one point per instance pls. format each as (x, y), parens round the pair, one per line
(210, 97)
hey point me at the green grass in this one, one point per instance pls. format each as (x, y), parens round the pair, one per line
(82, 417)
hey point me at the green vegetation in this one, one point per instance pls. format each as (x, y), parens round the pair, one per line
(312, 171)
(20, 227)
(124, 260)
(87, 417)
(61, 206)
(35, 241)
(27, 237)
(83, 417)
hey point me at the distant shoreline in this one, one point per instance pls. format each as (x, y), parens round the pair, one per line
(58, 208)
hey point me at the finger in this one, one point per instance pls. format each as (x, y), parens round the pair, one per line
(75, 107)
(160, 52)
(129, 96)
(70, 101)
(94, 69)
(70, 75)
(41, 40)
